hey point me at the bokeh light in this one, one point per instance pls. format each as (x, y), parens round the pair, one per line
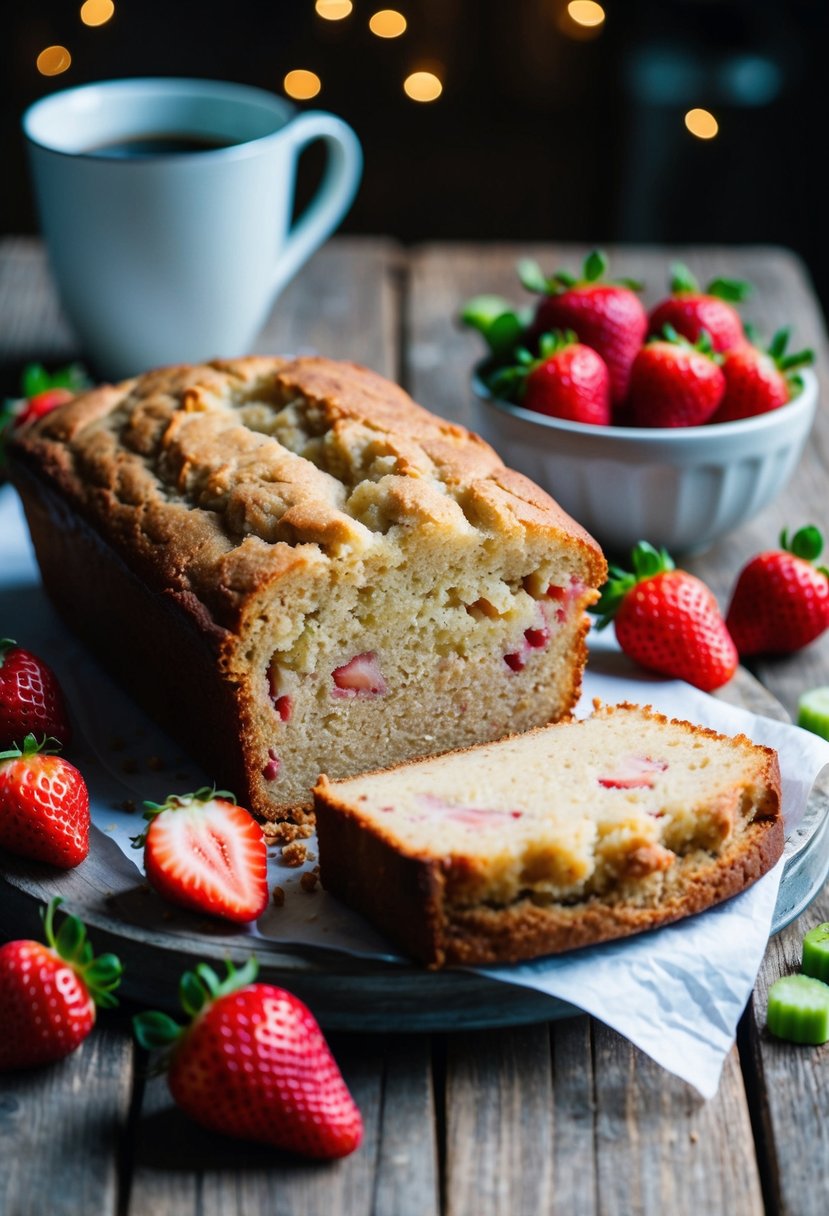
(301, 84)
(702, 123)
(586, 12)
(387, 23)
(53, 60)
(333, 10)
(96, 12)
(423, 86)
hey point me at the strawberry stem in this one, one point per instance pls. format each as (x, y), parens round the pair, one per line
(593, 271)
(174, 802)
(807, 542)
(101, 975)
(6, 644)
(31, 747)
(647, 562)
(197, 990)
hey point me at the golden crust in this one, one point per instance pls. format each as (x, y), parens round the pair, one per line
(408, 892)
(180, 470)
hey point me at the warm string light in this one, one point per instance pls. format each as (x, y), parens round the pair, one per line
(333, 10)
(586, 12)
(302, 84)
(423, 86)
(96, 12)
(702, 123)
(387, 23)
(53, 60)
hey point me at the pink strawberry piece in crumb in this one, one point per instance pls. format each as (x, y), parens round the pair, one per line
(466, 816)
(515, 661)
(271, 770)
(360, 677)
(537, 639)
(284, 707)
(634, 773)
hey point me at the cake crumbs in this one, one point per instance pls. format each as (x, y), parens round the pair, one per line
(294, 854)
(284, 833)
(693, 1137)
(278, 897)
(309, 881)
(126, 804)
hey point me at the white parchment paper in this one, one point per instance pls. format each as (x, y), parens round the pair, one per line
(677, 992)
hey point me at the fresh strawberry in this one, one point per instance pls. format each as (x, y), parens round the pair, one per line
(780, 601)
(668, 620)
(44, 805)
(41, 404)
(689, 310)
(31, 701)
(674, 383)
(253, 1064)
(48, 993)
(567, 380)
(757, 381)
(202, 851)
(609, 317)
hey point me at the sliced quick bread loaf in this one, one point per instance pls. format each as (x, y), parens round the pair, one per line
(564, 836)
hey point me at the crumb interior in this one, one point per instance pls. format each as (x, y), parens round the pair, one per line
(583, 808)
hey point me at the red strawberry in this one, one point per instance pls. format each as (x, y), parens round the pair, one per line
(609, 317)
(253, 1064)
(780, 601)
(41, 404)
(689, 310)
(31, 701)
(668, 620)
(44, 805)
(567, 380)
(48, 993)
(359, 677)
(757, 381)
(673, 383)
(202, 851)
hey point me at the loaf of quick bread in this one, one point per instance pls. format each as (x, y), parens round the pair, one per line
(561, 837)
(296, 569)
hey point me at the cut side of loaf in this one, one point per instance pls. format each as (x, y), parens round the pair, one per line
(562, 837)
(297, 569)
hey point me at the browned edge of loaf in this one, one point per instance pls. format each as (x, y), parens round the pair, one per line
(138, 613)
(169, 665)
(403, 894)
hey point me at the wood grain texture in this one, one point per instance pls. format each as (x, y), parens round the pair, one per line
(62, 1129)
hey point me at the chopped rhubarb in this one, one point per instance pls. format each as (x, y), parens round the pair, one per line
(633, 773)
(271, 770)
(360, 677)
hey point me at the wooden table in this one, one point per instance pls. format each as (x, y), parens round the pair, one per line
(561, 1118)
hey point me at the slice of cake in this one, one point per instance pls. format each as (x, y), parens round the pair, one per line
(564, 836)
(297, 569)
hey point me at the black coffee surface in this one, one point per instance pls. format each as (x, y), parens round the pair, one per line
(162, 143)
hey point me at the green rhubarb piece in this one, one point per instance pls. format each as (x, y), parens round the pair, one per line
(813, 711)
(798, 1009)
(816, 953)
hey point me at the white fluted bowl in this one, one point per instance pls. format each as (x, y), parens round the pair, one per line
(681, 487)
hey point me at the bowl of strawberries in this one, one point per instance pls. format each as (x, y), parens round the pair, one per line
(678, 424)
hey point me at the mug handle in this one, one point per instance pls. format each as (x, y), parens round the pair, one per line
(336, 190)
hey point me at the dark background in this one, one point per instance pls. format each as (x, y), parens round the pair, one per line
(539, 134)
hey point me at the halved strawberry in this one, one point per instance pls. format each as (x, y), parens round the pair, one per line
(202, 851)
(359, 677)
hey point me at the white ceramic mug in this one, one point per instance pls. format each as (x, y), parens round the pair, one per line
(178, 256)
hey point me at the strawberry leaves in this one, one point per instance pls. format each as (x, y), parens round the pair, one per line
(101, 975)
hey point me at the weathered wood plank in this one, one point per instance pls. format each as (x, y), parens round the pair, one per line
(660, 1147)
(499, 1123)
(62, 1129)
(788, 1085)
